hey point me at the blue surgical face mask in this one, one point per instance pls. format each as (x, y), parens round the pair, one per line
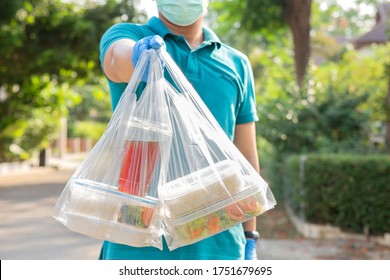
(182, 12)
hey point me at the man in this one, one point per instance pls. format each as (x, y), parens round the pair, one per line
(222, 77)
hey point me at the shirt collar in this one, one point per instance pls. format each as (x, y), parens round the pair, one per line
(158, 27)
(210, 37)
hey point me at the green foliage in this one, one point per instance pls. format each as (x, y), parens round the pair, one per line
(87, 129)
(270, 167)
(359, 75)
(29, 127)
(246, 25)
(8, 9)
(251, 16)
(93, 103)
(51, 36)
(26, 136)
(348, 191)
(331, 125)
(92, 111)
(337, 111)
(49, 57)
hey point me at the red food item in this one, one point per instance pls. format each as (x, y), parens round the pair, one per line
(139, 162)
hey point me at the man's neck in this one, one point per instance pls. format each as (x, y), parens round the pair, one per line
(192, 33)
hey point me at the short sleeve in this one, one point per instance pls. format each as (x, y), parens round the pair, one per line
(116, 32)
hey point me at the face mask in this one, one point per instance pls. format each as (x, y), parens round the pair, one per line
(183, 12)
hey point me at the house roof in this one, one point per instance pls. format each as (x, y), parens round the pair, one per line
(379, 33)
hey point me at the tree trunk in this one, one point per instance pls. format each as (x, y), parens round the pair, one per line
(42, 158)
(298, 19)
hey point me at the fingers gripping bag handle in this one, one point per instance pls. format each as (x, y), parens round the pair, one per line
(113, 194)
(211, 186)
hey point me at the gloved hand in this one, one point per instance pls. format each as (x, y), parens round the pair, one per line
(147, 43)
(250, 249)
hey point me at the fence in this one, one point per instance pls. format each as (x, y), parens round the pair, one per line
(78, 145)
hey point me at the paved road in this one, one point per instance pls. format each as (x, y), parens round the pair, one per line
(27, 230)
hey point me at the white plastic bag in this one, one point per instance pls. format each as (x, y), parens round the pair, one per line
(211, 186)
(113, 194)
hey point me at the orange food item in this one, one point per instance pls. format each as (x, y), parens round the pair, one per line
(249, 205)
(147, 215)
(195, 233)
(235, 213)
(213, 224)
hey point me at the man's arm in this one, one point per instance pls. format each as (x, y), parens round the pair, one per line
(117, 63)
(245, 141)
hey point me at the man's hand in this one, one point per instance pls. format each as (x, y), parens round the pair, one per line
(147, 43)
(250, 249)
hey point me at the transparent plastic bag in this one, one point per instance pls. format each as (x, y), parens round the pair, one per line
(113, 194)
(211, 186)
(195, 183)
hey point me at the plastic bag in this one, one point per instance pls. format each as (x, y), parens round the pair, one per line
(195, 182)
(211, 186)
(113, 194)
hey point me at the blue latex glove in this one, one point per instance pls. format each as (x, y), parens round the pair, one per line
(250, 250)
(147, 43)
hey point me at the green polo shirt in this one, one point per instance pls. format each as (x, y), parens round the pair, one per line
(223, 78)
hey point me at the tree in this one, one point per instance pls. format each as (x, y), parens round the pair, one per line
(46, 47)
(268, 17)
(8, 9)
(298, 19)
(337, 112)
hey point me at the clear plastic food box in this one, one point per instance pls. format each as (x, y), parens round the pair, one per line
(201, 188)
(217, 217)
(100, 211)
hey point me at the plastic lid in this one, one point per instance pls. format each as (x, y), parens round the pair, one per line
(149, 125)
(111, 191)
(199, 179)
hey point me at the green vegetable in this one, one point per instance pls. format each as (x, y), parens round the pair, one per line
(131, 215)
(198, 228)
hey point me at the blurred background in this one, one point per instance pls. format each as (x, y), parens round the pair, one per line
(322, 78)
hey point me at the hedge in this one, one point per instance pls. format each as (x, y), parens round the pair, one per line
(348, 191)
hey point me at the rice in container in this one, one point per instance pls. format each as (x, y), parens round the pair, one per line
(201, 188)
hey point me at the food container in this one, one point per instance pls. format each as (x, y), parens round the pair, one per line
(201, 188)
(191, 228)
(99, 210)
